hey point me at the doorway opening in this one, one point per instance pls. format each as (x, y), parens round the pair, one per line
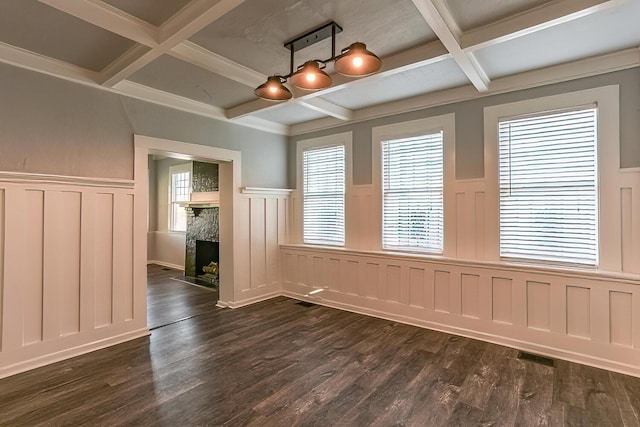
(169, 246)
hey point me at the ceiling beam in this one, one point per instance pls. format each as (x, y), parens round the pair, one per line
(203, 58)
(110, 18)
(184, 24)
(540, 18)
(326, 107)
(43, 64)
(418, 56)
(440, 20)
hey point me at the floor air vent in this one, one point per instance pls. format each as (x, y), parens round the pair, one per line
(537, 359)
(305, 304)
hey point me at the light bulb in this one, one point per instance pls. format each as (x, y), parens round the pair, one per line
(273, 89)
(357, 61)
(311, 77)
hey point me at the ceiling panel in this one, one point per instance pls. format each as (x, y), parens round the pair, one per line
(155, 12)
(253, 34)
(472, 14)
(441, 75)
(39, 28)
(606, 31)
(172, 75)
(289, 113)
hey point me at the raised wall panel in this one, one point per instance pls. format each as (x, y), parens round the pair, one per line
(442, 283)
(62, 263)
(393, 282)
(289, 262)
(103, 266)
(319, 277)
(257, 237)
(626, 219)
(501, 300)
(383, 288)
(283, 220)
(301, 269)
(462, 217)
(351, 276)
(334, 274)
(243, 216)
(620, 313)
(371, 279)
(33, 297)
(416, 287)
(538, 305)
(2, 225)
(271, 240)
(578, 311)
(479, 219)
(470, 292)
(123, 287)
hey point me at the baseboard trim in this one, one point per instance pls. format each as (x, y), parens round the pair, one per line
(166, 264)
(482, 336)
(59, 356)
(249, 301)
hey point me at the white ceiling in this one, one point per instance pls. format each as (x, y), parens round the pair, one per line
(207, 56)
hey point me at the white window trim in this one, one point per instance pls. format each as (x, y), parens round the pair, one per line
(445, 123)
(187, 167)
(345, 139)
(607, 100)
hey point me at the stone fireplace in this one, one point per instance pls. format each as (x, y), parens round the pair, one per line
(203, 229)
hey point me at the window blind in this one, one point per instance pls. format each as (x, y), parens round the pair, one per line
(548, 187)
(412, 187)
(324, 184)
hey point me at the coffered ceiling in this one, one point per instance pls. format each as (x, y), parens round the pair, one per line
(207, 56)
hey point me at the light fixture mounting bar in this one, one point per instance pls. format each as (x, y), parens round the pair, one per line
(314, 36)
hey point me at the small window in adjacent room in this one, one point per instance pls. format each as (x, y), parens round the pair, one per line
(180, 186)
(412, 193)
(548, 192)
(323, 173)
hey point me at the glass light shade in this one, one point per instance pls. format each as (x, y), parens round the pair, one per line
(357, 61)
(310, 77)
(273, 90)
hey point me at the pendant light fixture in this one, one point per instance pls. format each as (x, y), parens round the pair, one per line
(311, 77)
(273, 89)
(357, 61)
(354, 61)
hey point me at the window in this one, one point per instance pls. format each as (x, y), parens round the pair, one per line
(413, 173)
(323, 171)
(548, 186)
(180, 186)
(412, 193)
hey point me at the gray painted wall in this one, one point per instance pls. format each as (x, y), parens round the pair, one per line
(48, 125)
(470, 128)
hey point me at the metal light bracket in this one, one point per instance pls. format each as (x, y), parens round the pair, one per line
(314, 36)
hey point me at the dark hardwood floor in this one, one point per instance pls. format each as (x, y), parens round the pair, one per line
(279, 363)
(170, 299)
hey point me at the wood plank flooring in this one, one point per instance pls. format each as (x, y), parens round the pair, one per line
(169, 300)
(278, 363)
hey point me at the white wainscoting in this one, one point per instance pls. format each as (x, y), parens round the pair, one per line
(67, 268)
(587, 317)
(262, 221)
